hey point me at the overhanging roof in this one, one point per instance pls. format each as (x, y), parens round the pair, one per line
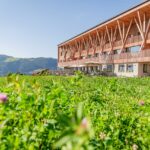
(143, 4)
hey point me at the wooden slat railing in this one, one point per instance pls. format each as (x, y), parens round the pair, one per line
(123, 57)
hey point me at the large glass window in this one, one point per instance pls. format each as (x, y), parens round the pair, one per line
(108, 68)
(130, 68)
(145, 68)
(133, 49)
(121, 68)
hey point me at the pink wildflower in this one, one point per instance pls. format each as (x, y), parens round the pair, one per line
(83, 127)
(84, 123)
(3, 98)
(141, 102)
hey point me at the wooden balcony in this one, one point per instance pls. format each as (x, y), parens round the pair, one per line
(117, 44)
(91, 51)
(77, 55)
(135, 40)
(132, 41)
(84, 53)
(107, 46)
(142, 56)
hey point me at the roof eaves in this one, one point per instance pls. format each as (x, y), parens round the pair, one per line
(104, 22)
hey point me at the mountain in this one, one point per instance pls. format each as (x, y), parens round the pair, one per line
(25, 65)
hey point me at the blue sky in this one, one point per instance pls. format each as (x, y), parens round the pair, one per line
(34, 28)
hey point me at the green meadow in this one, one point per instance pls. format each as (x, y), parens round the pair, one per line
(75, 113)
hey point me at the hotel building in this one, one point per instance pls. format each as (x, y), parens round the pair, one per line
(120, 45)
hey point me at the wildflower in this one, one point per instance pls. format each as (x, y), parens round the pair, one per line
(141, 102)
(3, 98)
(84, 123)
(102, 136)
(83, 127)
(134, 147)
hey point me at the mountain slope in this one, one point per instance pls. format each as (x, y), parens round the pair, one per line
(25, 65)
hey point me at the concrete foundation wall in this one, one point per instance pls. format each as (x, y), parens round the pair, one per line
(137, 69)
(126, 73)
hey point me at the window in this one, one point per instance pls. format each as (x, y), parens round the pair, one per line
(104, 53)
(89, 56)
(117, 51)
(127, 50)
(133, 49)
(109, 68)
(104, 67)
(130, 68)
(121, 68)
(91, 68)
(145, 68)
(96, 55)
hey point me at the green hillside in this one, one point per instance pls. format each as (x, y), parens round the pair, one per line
(25, 65)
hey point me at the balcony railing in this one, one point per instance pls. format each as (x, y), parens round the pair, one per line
(117, 43)
(107, 46)
(142, 56)
(134, 39)
(91, 51)
(84, 53)
(77, 54)
(130, 41)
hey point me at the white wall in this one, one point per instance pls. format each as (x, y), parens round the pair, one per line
(126, 73)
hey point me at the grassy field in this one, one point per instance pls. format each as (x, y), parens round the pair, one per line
(75, 113)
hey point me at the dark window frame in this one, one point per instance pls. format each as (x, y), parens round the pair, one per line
(121, 68)
(145, 68)
(130, 65)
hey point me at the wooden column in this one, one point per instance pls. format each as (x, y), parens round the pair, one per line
(124, 32)
(142, 26)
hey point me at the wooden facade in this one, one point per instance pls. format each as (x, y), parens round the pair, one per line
(108, 42)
